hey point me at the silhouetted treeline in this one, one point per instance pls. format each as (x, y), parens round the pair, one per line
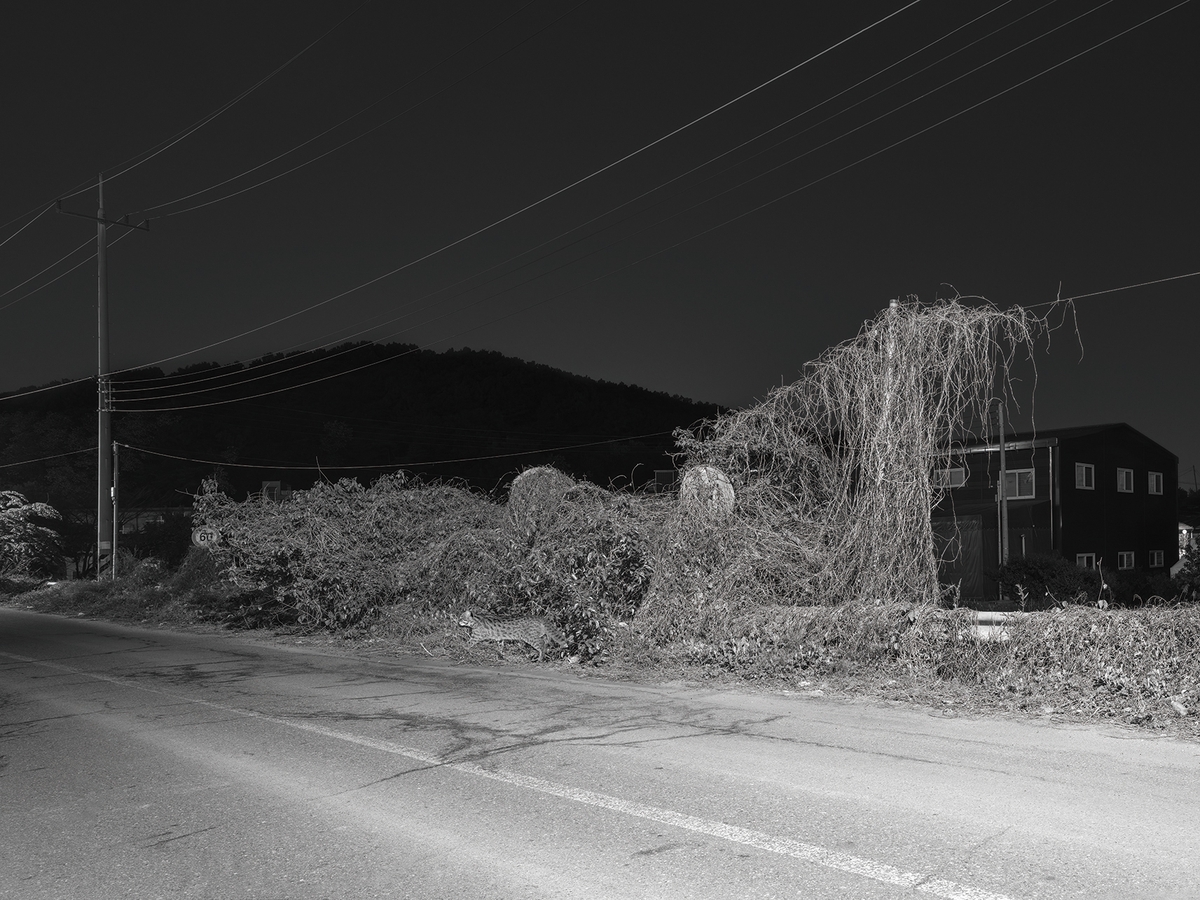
(435, 414)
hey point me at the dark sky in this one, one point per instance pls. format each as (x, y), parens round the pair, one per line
(1085, 177)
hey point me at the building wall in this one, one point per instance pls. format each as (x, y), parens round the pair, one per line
(1061, 518)
(1106, 521)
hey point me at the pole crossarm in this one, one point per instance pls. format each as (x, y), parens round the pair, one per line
(144, 225)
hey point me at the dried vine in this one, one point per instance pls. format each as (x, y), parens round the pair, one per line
(834, 472)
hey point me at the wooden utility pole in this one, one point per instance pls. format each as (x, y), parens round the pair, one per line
(105, 489)
(104, 482)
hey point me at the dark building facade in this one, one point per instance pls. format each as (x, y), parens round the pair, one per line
(1096, 495)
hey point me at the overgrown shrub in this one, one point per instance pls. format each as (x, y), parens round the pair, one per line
(1127, 664)
(169, 540)
(1137, 587)
(1047, 580)
(1186, 582)
(580, 553)
(332, 555)
(30, 543)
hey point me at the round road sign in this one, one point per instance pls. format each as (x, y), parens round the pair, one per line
(205, 537)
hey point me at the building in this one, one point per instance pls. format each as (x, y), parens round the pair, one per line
(1096, 495)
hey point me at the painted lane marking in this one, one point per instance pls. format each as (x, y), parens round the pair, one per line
(810, 853)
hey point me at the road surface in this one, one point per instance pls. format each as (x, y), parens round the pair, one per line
(148, 763)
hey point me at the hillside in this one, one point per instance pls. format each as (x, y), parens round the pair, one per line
(473, 415)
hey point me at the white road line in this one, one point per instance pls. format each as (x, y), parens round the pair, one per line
(810, 853)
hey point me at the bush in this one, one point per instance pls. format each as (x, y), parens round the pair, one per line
(1186, 583)
(169, 540)
(29, 542)
(1044, 581)
(330, 556)
(582, 553)
(1139, 588)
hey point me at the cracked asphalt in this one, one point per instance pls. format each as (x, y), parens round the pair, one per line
(149, 763)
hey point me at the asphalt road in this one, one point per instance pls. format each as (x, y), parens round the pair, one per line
(146, 763)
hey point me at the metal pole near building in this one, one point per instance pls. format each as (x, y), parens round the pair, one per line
(116, 515)
(104, 505)
(1003, 497)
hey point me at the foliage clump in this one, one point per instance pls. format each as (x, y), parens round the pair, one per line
(339, 554)
(1049, 580)
(334, 555)
(1135, 665)
(30, 543)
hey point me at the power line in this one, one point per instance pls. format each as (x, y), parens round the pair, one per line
(436, 462)
(192, 129)
(547, 197)
(218, 375)
(26, 225)
(354, 116)
(727, 221)
(64, 274)
(259, 376)
(28, 462)
(47, 269)
(154, 151)
(1127, 287)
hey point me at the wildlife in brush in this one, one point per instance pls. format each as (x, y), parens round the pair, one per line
(532, 630)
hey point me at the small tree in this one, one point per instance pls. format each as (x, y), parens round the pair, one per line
(28, 543)
(1186, 582)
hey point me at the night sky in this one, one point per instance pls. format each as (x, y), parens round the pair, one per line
(713, 264)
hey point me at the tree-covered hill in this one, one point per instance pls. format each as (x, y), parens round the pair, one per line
(474, 415)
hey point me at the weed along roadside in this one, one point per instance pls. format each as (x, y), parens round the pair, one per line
(766, 567)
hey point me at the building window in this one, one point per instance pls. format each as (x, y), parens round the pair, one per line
(1125, 559)
(1156, 482)
(1125, 481)
(1018, 484)
(1085, 560)
(1085, 476)
(1156, 559)
(950, 478)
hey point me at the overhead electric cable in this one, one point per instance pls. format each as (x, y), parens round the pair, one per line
(29, 462)
(549, 196)
(26, 225)
(262, 375)
(90, 183)
(350, 118)
(403, 465)
(705, 231)
(192, 129)
(346, 337)
(63, 274)
(67, 256)
(1127, 287)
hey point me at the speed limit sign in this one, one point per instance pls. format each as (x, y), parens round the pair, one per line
(205, 537)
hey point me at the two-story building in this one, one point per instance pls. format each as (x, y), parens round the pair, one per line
(1096, 495)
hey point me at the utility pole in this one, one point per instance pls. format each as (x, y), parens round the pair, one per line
(1003, 497)
(116, 520)
(105, 488)
(104, 493)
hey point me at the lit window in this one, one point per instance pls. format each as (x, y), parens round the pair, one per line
(950, 478)
(1085, 560)
(1156, 482)
(1156, 559)
(1085, 476)
(1125, 559)
(1018, 484)
(1125, 481)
